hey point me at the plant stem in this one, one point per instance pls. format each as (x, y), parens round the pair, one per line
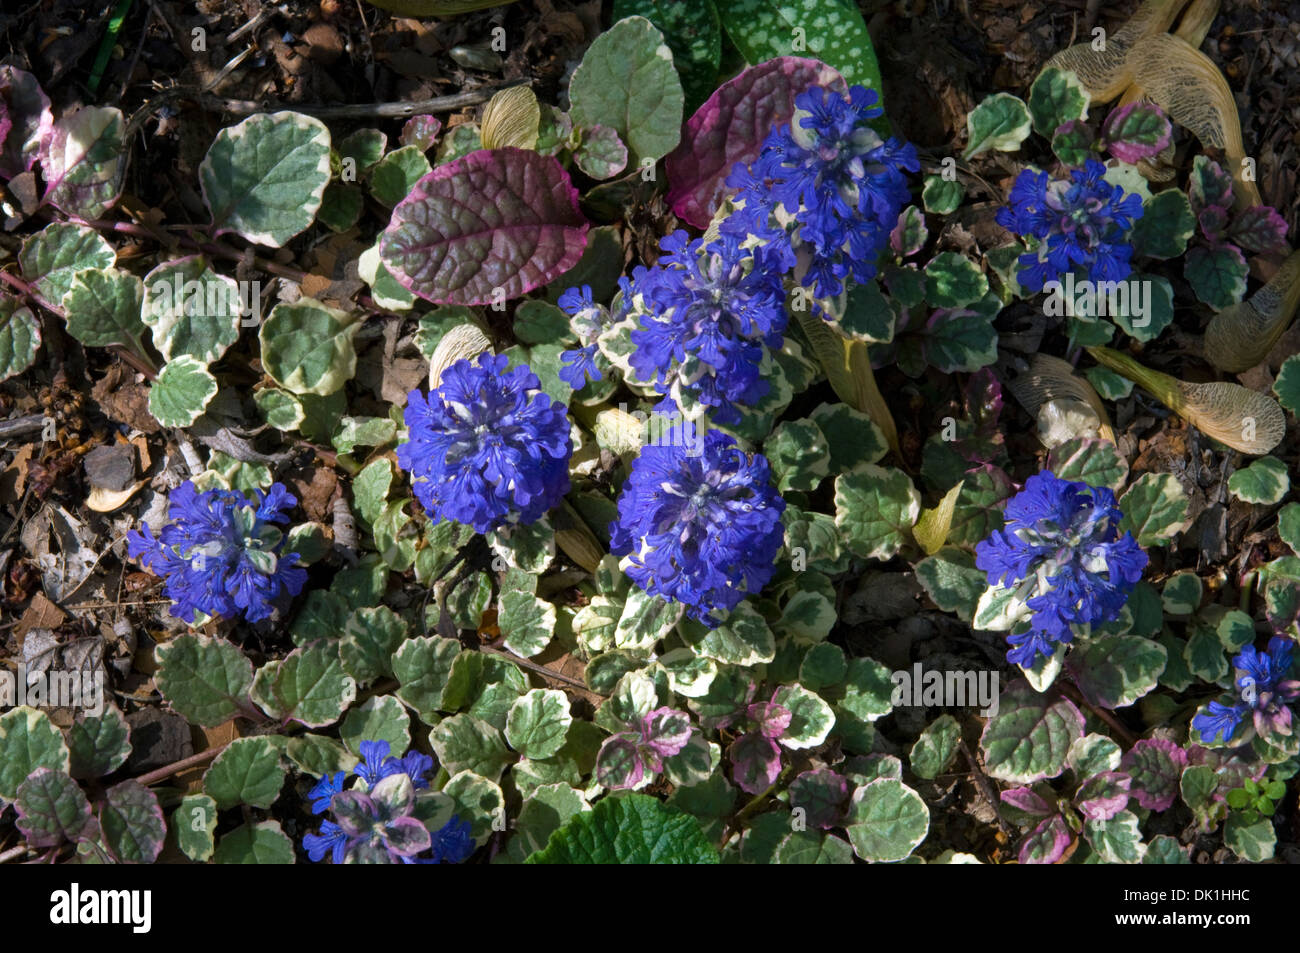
(1161, 386)
(1076, 696)
(166, 771)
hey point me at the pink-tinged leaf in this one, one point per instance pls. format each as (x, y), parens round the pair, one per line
(489, 226)
(730, 127)
(1155, 765)
(421, 132)
(1261, 230)
(821, 795)
(619, 764)
(51, 809)
(1047, 843)
(406, 836)
(1137, 131)
(755, 762)
(1103, 795)
(666, 731)
(132, 822)
(5, 124)
(909, 235)
(1213, 220)
(771, 719)
(1026, 800)
(1208, 185)
(82, 161)
(28, 110)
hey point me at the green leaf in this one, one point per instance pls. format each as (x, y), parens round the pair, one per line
(744, 638)
(381, 718)
(132, 823)
(1090, 461)
(1055, 98)
(635, 829)
(887, 820)
(98, 744)
(396, 174)
(1000, 122)
(205, 680)
(248, 771)
(693, 32)
(527, 548)
(423, 666)
(1157, 295)
(260, 843)
(935, 747)
(193, 310)
(1117, 670)
(370, 637)
(182, 392)
(811, 719)
(1030, 736)
(318, 756)
(626, 81)
(538, 722)
(941, 196)
(875, 509)
(1235, 630)
(1288, 526)
(307, 347)
(952, 581)
(53, 255)
(466, 743)
(853, 438)
(1166, 225)
(1155, 509)
(311, 687)
(1073, 143)
(1265, 482)
(1117, 840)
(1287, 385)
(1217, 275)
(799, 454)
(1163, 849)
(20, 337)
(954, 281)
(82, 161)
(526, 622)
(364, 147)
(827, 30)
(51, 809)
(103, 308)
(194, 822)
(1251, 841)
(265, 178)
(1204, 654)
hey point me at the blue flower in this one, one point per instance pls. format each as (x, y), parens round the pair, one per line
(1262, 692)
(324, 791)
(701, 525)
(452, 843)
(587, 319)
(1083, 221)
(1061, 550)
(220, 554)
(839, 184)
(579, 366)
(331, 840)
(706, 312)
(487, 448)
(375, 763)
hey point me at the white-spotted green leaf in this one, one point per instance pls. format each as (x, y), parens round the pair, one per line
(1251, 840)
(20, 337)
(396, 174)
(264, 178)
(191, 309)
(1117, 670)
(1181, 594)
(935, 748)
(744, 638)
(875, 509)
(103, 308)
(204, 679)
(28, 740)
(194, 823)
(887, 820)
(98, 744)
(248, 771)
(53, 255)
(466, 743)
(82, 162)
(1055, 98)
(1000, 122)
(311, 687)
(1117, 840)
(263, 842)
(307, 347)
(526, 622)
(182, 392)
(382, 718)
(1030, 736)
(370, 637)
(423, 666)
(811, 719)
(1155, 509)
(644, 621)
(1094, 462)
(1265, 481)
(538, 723)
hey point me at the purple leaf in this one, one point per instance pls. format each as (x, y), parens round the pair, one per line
(821, 794)
(1208, 185)
(406, 836)
(1026, 800)
(1047, 843)
(1137, 131)
(730, 127)
(51, 808)
(755, 762)
(1260, 229)
(1155, 766)
(618, 763)
(771, 719)
(666, 731)
(494, 224)
(1103, 795)
(421, 131)
(1213, 220)
(28, 110)
(82, 161)
(355, 812)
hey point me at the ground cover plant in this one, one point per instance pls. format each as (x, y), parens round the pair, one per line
(642, 432)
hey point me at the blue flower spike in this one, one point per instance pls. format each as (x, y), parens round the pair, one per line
(1262, 692)
(1061, 550)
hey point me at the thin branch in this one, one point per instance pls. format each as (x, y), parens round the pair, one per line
(438, 104)
(1075, 696)
(166, 771)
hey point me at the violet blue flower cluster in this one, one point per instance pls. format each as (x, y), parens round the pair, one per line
(826, 189)
(220, 552)
(1062, 552)
(705, 314)
(1262, 693)
(487, 447)
(374, 822)
(700, 525)
(587, 319)
(1082, 221)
